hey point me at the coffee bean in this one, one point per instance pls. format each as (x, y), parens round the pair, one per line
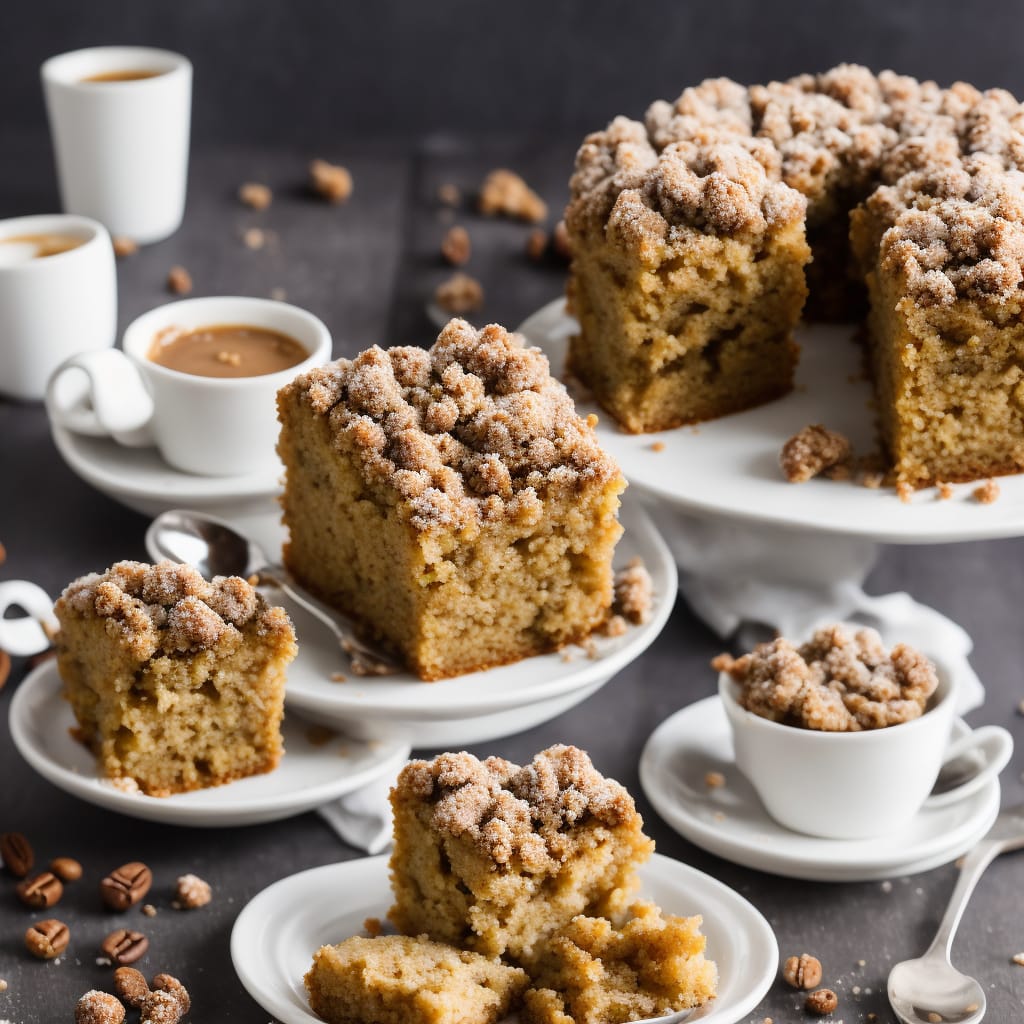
(47, 939)
(43, 890)
(126, 885)
(67, 869)
(16, 852)
(124, 946)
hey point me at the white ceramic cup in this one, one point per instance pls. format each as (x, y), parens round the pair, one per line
(857, 785)
(121, 147)
(55, 306)
(211, 426)
(25, 635)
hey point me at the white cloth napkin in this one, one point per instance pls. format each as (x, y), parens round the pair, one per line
(750, 580)
(363, 818)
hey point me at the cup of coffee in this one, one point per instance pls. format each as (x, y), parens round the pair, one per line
(119, 118)
(198, 379)
(58, 296)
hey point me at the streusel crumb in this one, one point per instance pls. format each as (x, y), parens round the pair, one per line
(634, 592)
(811, 451)
(459, 294)
(504, 192)
(331, 181)
(987, 493)
(255, 195)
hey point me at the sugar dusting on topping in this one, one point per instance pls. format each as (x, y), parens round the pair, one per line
(168, 608)
(473, 429)
(511, 811)
(837, 682)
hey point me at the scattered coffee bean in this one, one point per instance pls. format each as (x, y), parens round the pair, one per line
(124, 946)
(160, 1008)
(130, 986)
(821, 1002)
(5, 667)
(47, 939)
(802, 971)
(97, 1007)
(67, 869)
(42, 890)
(192, 892)
(16, 853)
(168, 983)
(126, 885)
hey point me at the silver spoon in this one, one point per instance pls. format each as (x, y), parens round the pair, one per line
(930, 988)
(216, 548)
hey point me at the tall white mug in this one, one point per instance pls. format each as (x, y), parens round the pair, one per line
(54, 306)
(121, 146)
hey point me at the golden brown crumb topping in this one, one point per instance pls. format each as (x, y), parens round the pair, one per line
(812, 451)
(168, 608)
(837, 682)
(475, 428)
(634, 592)
(504, 192)
(509, 811)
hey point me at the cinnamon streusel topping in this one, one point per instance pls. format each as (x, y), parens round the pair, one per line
(511, 811)
(474, 428)
(837, 682)
(168, 608)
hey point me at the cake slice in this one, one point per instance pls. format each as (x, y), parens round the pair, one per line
(450, 501)
(594, 972)
(497, 858)
(176, 683)
(394, 979)
(687, 276)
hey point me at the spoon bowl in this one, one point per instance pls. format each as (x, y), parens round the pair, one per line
(919, 989)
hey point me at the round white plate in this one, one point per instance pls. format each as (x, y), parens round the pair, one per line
(730, 466)
(479, 706)
(731, 821)
(276, 935)
(308, 776)
(140, 479)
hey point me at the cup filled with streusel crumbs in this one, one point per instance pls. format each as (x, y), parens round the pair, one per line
(845, 738)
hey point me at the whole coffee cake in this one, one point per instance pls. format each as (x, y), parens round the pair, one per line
(450, 500)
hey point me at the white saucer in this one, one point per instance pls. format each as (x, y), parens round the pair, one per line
(479, 706)
(309, 775)
(275, 936)
(730, 466)
(140, 479)
(731, 821)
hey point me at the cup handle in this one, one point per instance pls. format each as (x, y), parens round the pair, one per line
(995, 746)
(25, 636)
(101, 394)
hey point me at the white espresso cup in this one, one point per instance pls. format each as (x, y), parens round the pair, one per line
(52, 306)
(121, 146)
(211, 426)
(859, 785)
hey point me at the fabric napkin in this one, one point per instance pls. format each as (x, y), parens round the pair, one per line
(363, 818)
(749, 580)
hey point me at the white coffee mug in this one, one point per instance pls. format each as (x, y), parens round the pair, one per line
(211, 426)
(54, 306)
(857, 785)
(121, 147)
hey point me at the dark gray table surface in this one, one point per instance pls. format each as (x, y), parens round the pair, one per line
(366, 269)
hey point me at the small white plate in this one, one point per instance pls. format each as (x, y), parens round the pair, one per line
(483, 705)
(140, 479)
(276, 935)
(308, 776)
(731, 821)
(730, 466)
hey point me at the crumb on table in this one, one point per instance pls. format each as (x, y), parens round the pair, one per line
(255, 195)
(459, 294)
(505, 192)
(330, 181)
(179, 280)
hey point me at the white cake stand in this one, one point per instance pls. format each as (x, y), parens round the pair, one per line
(756, 551)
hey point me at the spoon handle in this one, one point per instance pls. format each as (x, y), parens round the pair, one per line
(974, 865)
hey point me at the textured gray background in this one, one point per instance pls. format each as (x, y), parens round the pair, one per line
(409, 96)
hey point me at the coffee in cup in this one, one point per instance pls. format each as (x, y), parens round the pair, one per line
(226, 350)
(121, 76)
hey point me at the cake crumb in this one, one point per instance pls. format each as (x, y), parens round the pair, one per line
(904, 492)
(455, 246)
(1018, 959)
(254, 238)
(449, 194)
(3, 985)
(149, 910)
(179, 280)
(192, 893)
(872, 479)
(987, 493)
(714, 780)
(124, 246)
(886, 886)
(330, 181)
(615, 625)
(505, 192)
(459, 294)
(945, 491)
(255, 195)
(537, 244)
(633, 592)
(319, 735)
(658, 446)
(811, 451)
(373, 927)
(338, 677)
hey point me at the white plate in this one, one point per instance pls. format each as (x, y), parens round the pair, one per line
(307, 777)
(730, 466)
(276, 935)
(140, 479)
(731, 821)
(479, 706)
